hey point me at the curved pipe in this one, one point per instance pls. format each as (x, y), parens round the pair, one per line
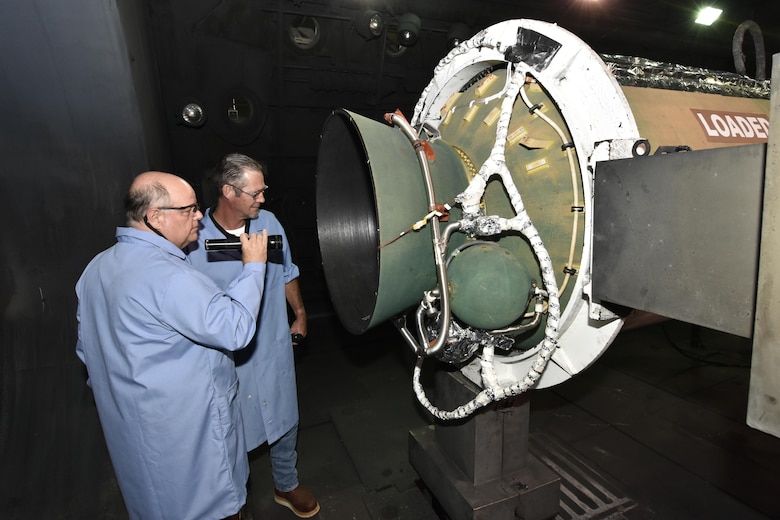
(568, 147)
(758, 42)
(537, 318)
(399, 121)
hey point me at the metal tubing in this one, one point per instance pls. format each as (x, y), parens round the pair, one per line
(438, 255)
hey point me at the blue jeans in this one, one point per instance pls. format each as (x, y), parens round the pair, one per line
(283, 461)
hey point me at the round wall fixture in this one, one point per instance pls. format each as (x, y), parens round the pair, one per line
(240, 110)
(369, 24)
(192, 114)
(408, 29)
(240, 116)
(303, 32)
(393, 47)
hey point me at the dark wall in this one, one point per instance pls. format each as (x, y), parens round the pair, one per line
(89, 93)
(77, 101)
(213, 52)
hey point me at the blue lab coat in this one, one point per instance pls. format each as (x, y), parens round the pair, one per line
(266, 368)
(156, 335)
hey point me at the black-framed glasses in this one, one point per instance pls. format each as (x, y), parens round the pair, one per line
(190, 208)
(253, 194)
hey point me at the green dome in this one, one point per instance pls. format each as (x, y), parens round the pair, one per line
(489, 287)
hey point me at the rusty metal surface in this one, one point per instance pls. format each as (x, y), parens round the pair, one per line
(677, 235)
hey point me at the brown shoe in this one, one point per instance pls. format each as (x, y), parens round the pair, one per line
(300, 501)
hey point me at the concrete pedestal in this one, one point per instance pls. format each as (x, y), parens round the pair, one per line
(480, 468)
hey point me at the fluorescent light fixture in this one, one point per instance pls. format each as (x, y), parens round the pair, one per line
(708, 15)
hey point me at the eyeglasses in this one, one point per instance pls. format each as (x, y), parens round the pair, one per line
(254, 194)
(190, 208)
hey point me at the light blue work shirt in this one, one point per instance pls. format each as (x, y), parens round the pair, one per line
(266, 368)
(156, 335)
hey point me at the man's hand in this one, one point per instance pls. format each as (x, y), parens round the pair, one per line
(292, 292)
(298, 331)
(254, 247)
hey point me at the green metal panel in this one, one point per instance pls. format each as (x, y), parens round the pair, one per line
(370, 190)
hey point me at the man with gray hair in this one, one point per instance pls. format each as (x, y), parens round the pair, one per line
(157, 338)
(266, 368)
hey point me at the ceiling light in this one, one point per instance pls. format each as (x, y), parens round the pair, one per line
(369, 24)
(192, 114)
(708, 15)
(408, 29)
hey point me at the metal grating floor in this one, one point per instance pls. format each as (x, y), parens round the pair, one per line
(585, 493)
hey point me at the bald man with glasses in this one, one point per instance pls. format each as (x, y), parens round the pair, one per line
(157, 338)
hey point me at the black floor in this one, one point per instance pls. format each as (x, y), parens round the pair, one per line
(659, 420)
